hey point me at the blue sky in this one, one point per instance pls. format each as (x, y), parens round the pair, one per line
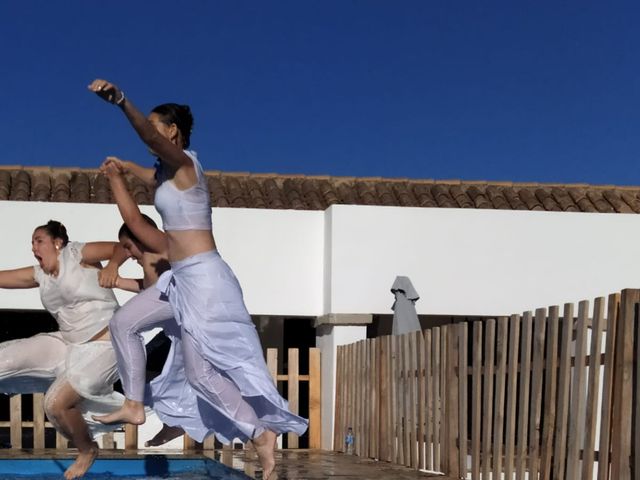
(543, 91)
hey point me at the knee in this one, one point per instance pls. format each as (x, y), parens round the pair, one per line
(120, 324)
(52, 409)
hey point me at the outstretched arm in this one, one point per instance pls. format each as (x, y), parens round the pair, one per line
(18, 278)
(160, 145)
(153, 239)
(130, 284)
(95, 252)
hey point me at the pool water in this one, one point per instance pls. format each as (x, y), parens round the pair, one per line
(149, 467)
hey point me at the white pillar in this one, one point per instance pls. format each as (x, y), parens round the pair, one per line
(331, 331)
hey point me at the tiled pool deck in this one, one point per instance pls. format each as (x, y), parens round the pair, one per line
(291, 464)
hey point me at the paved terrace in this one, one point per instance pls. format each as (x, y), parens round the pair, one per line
(291, 464)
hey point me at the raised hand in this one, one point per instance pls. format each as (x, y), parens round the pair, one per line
(107, 91)
(113, 166)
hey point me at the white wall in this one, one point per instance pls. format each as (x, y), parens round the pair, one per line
(344, 260)
(478, 262)
(276, 254)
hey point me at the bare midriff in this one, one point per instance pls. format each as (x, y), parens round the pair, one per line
(101, 335)
(186, 243)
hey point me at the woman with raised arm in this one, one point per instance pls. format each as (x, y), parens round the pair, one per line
(169, 394)
(224, 361)
(78, 361)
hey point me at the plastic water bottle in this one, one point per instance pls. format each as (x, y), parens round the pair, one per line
(349, 441)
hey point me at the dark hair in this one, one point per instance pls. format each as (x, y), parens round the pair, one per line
(178, 114)
(55, 230)
(126, 231)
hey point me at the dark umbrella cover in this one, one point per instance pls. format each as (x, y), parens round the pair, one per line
(405, 318)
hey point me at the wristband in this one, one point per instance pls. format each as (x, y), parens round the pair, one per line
(121, 100)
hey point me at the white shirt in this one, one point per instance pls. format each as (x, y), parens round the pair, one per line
(79, 304)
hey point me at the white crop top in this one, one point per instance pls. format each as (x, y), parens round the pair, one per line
(188, 209)
(79, 304)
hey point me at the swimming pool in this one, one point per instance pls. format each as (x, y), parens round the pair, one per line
(150, 467)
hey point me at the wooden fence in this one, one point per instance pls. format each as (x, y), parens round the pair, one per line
(546, 395)
(292, 382)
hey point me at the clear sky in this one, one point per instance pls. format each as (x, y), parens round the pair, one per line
(533, 91)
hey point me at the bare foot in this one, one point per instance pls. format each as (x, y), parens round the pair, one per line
(265, 445)
(83, 463)
(130, 412)
(166, 434)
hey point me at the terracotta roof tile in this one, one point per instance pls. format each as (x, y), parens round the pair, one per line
(631, 200)
(460, 197)
(478, 197)
(579, 196)
(511, 194)
(21, 186)
(530, 200)
(317, 193)
(544, 196)
(424, 196)
(442, 196)
(273, 194)
(497, 198)
(5, 184)
(292, 190)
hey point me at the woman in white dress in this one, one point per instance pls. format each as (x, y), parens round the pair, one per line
(77, 363)
(223, 357)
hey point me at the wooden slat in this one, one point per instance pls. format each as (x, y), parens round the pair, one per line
(38, 420)
(551, 382)
(358, 397)
(370, 399)
(476, 401)
(352, 390)
(396, 453)
(108, 442)
(501, 379)
(406, 397)
(385, 400)
(452, 401)
(487, 396)
(293, 390)
(338, 414)
(512, 396)
(374, 381)
(428, 425)
(623, 383)
(463, 412)
(593, 383)
(188, 443)
(523, 399)
(412, 368)
(444, 424)
(535, 415)
(578, 395)
(209, 443)
(130, 437)
(606, 409)
(315, 389)
(421, 398)
(272, 363)
(436, 365)
(564, 377)
(61, 442)
(15, 418)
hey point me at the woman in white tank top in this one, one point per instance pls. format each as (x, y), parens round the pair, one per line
(223, 357)
(75, 365)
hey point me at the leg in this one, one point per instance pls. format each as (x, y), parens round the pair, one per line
(61, 407)
(143, 312)
(31, 364)
(223, 393)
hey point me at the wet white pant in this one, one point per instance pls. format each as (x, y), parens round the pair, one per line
(45, 361)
